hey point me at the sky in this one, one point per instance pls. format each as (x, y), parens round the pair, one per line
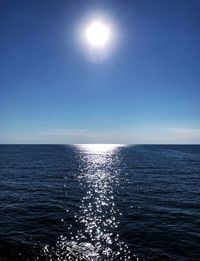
(146, 89)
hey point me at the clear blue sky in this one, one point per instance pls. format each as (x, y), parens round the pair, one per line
(146, 91)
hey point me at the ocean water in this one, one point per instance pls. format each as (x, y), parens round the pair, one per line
(99, 202)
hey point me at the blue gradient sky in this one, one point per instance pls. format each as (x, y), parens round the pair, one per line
(146, 91)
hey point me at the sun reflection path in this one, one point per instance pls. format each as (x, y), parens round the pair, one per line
(97, 240)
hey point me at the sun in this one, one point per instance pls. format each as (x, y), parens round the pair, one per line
(98, 34)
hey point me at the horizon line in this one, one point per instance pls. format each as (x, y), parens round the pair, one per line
(119, 144)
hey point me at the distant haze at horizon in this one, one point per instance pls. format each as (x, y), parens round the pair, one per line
(62, 136)
(145, 90)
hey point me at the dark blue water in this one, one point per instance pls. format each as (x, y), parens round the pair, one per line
(99, 202)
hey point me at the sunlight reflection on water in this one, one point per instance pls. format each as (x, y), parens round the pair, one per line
(97, 239)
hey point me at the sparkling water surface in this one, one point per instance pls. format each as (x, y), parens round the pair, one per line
(99, 202)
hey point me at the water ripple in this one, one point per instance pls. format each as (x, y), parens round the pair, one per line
(96, 239)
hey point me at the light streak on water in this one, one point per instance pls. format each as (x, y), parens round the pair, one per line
(97, 240)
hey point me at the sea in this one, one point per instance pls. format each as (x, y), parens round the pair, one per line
(96, 202)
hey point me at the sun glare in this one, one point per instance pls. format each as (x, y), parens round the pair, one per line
(99, 148)
(97, 34)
